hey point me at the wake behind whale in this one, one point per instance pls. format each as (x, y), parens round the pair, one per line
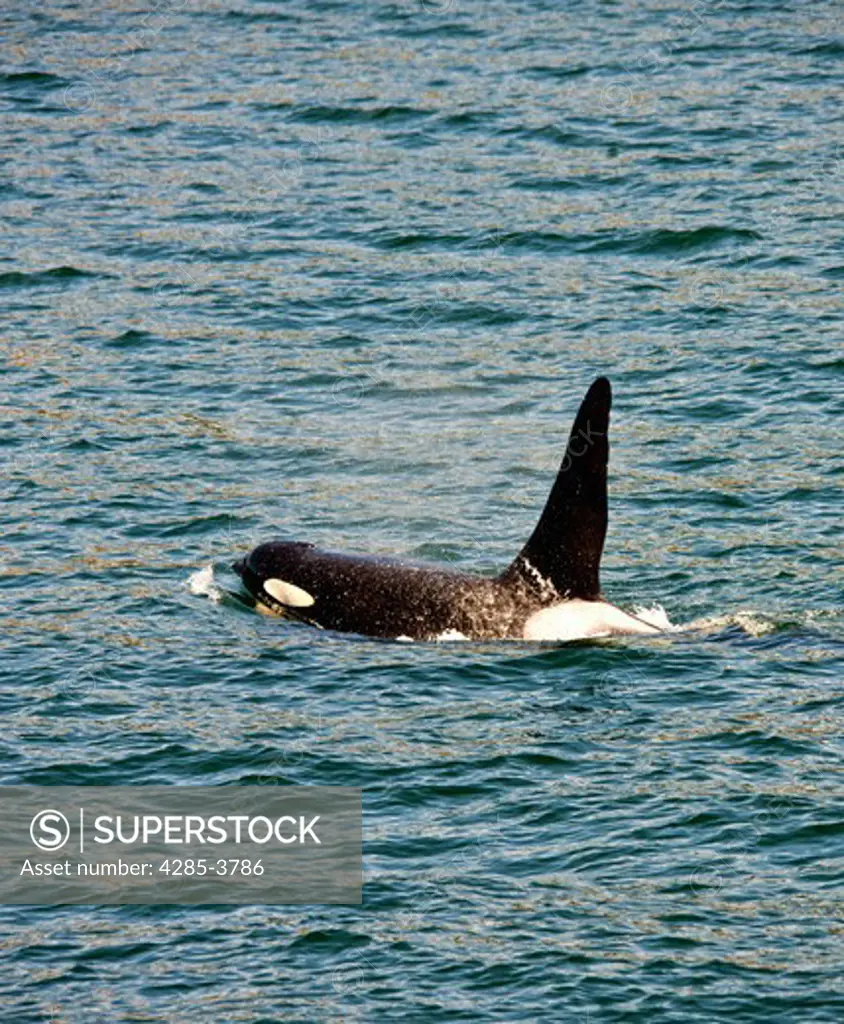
(551, 590)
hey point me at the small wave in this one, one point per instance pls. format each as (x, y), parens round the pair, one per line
(661, 242)
(259, 17)
(541, 184)
(828, 48)
(150, 129)
(753, 623)
(557, 136)
(357, 115)
(468, 119)
(131, 339)
(557, 72)
(391, 240)
(39, 79)
(479, 314)
(19, 279)
(666, 241)
(442, 30)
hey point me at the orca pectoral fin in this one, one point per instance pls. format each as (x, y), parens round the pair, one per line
(566, 545)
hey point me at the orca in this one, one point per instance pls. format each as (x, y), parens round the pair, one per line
(551, 591)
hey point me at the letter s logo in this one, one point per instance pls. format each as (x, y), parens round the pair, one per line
(49, 830)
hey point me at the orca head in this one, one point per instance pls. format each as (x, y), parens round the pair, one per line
(562, 557)
(268, 572)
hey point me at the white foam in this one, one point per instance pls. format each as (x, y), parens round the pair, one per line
(202, 582)
(451, 634)
(753, 623)
(656, 616)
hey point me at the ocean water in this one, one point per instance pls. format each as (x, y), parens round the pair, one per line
(342, 272)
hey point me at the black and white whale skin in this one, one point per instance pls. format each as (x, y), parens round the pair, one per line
(551, 591)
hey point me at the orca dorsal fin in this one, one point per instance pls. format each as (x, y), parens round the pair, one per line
(565, 547)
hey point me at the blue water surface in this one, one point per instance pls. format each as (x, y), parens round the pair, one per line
(342, 272)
